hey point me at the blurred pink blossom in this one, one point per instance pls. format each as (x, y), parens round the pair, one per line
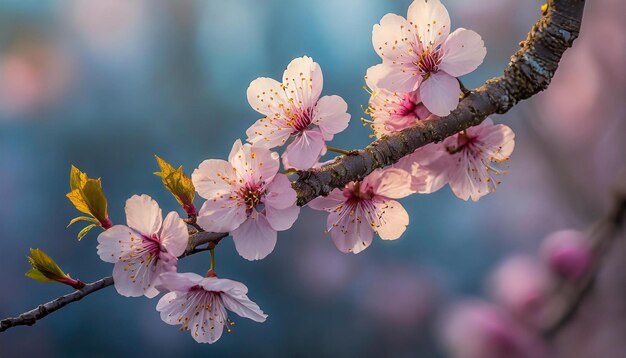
(521, 284)
(567, 253)
(476, 329)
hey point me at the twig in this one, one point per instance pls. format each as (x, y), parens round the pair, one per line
(31, 317)
(569, 297)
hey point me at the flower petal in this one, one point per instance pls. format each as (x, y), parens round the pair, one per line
(143, 214)
(392, 183)
(282, 219)
(180, 282)
(306, 149)
(392, 41)
(373, 75)
(399, 77)
(328, 203)
(330, 115)
(244, 307)
(221, 216)
(350, 230)
(134, 276)
(393, 219)
(255, 238)
(174, 235)
(280, 193)
(268, 133)
(303, 82)
(115, 243)
(267, 97)
(463, 52)
(431, 20)
(253, 163)
(213, 179)
(440, 93)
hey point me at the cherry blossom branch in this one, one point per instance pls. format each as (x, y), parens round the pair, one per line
(530, 71)
(570, 296)
(197, 239)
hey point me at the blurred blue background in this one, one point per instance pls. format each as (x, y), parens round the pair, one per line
(104, 85)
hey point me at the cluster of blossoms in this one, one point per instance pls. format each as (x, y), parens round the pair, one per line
(248, 197)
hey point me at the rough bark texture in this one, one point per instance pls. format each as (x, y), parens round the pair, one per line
(530, 71)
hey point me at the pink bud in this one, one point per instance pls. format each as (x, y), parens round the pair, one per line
(568, 253)
(521, 284)
(476, 329)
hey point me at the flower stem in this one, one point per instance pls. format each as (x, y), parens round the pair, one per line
(212, 268)
(337, 150)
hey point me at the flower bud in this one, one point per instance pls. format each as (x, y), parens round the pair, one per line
(567, 253)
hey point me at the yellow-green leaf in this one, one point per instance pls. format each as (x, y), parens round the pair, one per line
(85, 230)
(95, 199)
(77, 178)
(87, 196)
(44, 268)
(177, 183)
(81, 218)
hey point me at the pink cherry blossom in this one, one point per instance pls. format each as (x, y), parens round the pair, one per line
(199, 304)
(362, 208)
(420, 53)
(247, 197)
(145, 248)
(392, 111)
(470, 161)
(295, 110)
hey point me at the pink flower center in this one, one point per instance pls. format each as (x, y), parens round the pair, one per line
(300, 120)
(251, 194)
(356, 193)
(463, 142)
(407, 105)
(429, 62)
(151, 244)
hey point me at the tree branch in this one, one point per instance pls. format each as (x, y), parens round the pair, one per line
(569, 296)
(529, 72)
(31, 317)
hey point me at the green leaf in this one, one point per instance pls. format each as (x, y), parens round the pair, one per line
(44, 268)
(85, 230)
(176, 182)
(79, 218)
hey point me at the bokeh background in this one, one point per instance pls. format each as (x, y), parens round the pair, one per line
(105, 85)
